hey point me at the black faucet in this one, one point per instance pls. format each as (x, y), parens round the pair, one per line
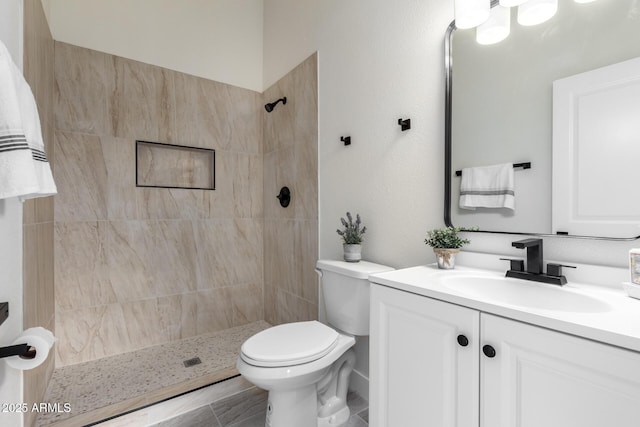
(534, 265)
(534, 254)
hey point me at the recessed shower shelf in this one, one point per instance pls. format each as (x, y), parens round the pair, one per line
(175, 166)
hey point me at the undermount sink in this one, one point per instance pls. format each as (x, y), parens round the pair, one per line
(524, 293)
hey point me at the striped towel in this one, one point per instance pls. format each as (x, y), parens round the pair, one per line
(488, 187)
(24, 169)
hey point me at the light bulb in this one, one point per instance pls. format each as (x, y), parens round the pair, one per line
(535, 12)
(471, 13)
(511, 3)
(496, 28)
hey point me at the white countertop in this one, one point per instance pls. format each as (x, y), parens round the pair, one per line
(619, 325)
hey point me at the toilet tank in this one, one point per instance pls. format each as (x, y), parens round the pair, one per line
(345, 287)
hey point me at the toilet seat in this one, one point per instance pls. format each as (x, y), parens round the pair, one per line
(289, 344)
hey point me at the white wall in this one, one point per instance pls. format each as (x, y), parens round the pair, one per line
(216, 39)
(11, 238)
(378, 61)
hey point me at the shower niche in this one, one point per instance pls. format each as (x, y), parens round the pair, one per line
(161, 165)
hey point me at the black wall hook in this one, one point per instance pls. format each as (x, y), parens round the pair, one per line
(404, 124)
(346, 140)
(284, 197)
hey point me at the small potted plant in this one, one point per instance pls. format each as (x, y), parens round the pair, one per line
(352, 238)
(446, 244)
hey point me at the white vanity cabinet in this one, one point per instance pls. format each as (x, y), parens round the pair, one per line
(422, 376)
(419, 374)
(541, 377)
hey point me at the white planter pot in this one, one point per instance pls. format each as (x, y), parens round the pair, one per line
(446, 258)
(352, 253)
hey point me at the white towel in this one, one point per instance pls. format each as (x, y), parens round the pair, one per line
(24, 169)
(488, 187)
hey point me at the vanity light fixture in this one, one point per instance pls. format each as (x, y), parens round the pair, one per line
(471, 13)
(492, 18)
(511, 3)
(535, 12)
(496, 28)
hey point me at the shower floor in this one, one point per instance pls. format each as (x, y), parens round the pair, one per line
(114, 385)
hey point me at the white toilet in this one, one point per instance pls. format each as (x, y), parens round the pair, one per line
(305, 366)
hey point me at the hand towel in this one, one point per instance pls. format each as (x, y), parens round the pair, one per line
(488, 187)
(24, 169)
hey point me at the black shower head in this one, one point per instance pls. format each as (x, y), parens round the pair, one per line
(269, 107)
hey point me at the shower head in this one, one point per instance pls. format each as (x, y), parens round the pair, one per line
(269, 107)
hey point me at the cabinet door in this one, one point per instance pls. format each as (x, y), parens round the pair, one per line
(420, 374)
(544, 378)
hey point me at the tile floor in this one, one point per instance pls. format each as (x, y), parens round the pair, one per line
(231, 403)
(248, 409)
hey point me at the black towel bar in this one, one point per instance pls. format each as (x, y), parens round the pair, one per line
(525, 165)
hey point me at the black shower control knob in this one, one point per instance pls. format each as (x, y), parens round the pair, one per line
(463, 341)
(489, 351)
(284, 196)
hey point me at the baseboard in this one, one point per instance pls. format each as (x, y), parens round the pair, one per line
(359, 383)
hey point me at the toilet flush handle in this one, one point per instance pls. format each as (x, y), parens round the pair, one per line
(319, 273)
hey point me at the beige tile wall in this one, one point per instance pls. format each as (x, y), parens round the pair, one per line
(291, 234)
(136, 267)
(38, 213)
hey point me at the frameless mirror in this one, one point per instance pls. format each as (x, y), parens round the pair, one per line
(499, 107)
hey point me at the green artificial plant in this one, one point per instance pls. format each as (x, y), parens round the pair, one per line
(446, 238)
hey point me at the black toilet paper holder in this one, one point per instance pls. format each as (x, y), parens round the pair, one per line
(25, 351)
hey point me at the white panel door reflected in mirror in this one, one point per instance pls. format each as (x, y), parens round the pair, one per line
(596, 152)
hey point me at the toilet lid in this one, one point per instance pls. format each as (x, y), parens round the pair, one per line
(289, 344)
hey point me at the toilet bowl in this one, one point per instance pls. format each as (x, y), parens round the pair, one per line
(305, 366)
(291, 375)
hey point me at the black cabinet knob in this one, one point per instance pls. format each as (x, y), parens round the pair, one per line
(463, 341)
(489, 351)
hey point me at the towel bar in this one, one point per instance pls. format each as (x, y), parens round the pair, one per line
(525, 165)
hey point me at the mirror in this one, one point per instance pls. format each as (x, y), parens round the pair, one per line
(499, 104)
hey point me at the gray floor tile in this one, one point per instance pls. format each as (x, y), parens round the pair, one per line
(255, 421)
(202, 417)
(364, 414)
(248, 409)
(356, 421)
(356, 402)
(240, 407)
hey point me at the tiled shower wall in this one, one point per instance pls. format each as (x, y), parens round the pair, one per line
(135, 267)
(291, 234)
(38, 213)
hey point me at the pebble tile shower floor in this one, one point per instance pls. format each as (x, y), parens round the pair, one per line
(119, 384)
